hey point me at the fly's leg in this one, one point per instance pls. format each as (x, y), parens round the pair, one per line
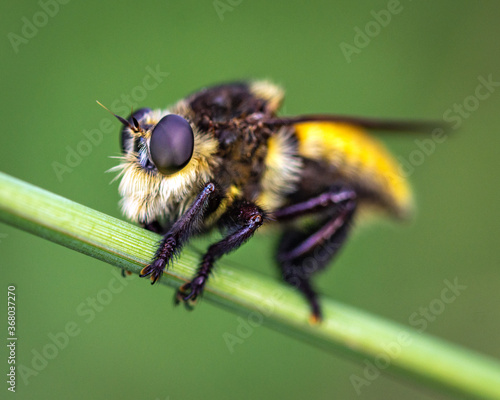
(185, 227)
(240, 222)
(154, 226)
(303, 252)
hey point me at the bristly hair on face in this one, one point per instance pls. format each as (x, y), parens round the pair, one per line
(149, 195)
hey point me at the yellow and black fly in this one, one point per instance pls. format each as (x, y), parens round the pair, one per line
(223, 158)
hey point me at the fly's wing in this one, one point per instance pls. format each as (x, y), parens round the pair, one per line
(225, 102)
(236, 100)
(367, 123)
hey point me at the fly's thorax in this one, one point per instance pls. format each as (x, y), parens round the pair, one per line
(258, 165)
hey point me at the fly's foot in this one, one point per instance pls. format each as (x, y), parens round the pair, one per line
(154, 270)
(189, 292)
(316, 317)
(125, 273)
(162, 257)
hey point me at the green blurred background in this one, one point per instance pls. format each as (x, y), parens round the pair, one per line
(428, 58)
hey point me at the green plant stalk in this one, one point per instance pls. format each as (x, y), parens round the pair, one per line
(344, 330)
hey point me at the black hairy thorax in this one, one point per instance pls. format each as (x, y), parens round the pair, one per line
(231, 115)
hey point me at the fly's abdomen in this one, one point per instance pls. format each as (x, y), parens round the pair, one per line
(358, 159)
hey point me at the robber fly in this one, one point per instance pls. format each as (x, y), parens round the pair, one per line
(222, 158)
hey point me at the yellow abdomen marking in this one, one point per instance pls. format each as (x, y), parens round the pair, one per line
(359, 159)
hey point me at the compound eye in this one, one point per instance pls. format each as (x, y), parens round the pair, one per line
(171, 145)
(138, 115)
